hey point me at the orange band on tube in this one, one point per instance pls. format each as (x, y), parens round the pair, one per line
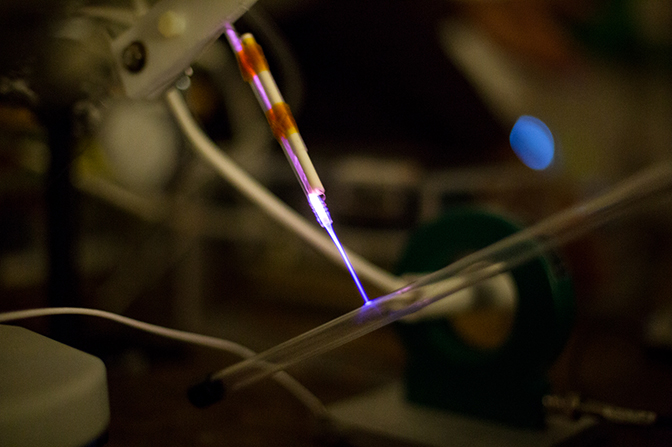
(251, 59)
(281, 120)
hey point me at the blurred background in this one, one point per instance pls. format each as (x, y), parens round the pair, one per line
(406, 109)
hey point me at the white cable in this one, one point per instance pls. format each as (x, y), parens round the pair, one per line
(288, 382)
(268, 202)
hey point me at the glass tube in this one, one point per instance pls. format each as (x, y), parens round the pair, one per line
(486, 263)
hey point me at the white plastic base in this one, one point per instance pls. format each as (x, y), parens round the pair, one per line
(51, 395)
(386, 413)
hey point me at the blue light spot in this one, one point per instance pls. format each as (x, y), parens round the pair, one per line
(532, 142)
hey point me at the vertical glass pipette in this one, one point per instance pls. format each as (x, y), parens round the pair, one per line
(255, 71)
(442, 284)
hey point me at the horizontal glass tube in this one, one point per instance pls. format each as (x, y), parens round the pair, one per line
(486, 263)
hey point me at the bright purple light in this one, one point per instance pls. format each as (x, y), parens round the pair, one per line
(355, 278)
(262, 95)
(322, 213)
(316, 202)
(234, 40)
(296, 165)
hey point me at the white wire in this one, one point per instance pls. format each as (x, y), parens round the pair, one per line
(268, 202)
(288, 382)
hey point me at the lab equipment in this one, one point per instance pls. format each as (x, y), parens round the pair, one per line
(153, 52)
(50, 394)
(255, 71)
(496, 356)
(170, 24)
(491, 261)
(165, 41)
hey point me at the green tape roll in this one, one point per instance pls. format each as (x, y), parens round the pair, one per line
(504, 383)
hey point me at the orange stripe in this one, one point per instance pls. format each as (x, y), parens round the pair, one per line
(281, 120)
(251, 59)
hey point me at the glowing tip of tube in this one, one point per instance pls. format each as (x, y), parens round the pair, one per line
(320, 209)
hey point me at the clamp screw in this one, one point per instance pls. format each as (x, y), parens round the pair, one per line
(134, 56)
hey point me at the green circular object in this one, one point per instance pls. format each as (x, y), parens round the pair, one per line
(543, 317)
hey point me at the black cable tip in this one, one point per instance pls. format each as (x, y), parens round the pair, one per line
(206, 393)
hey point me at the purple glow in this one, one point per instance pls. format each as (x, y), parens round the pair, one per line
(355, 278)
(257, 86)
(296, 165)
(261, 93)
(233, 38)
(320, 209)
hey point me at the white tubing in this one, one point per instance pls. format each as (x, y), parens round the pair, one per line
(268, 202)
(284, 379)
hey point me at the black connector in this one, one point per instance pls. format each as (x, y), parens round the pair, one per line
(206, 393)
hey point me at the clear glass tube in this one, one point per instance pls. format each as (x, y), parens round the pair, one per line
(486, 263)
